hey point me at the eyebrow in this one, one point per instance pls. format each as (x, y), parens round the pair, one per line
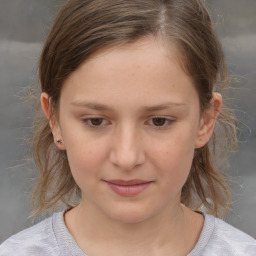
(102, 107)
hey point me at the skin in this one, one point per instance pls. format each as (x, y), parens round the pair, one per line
(130, 144)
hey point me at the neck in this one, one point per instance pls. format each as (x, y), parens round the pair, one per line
(166, 232)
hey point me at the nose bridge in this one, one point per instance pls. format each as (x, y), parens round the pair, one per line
(127, 150)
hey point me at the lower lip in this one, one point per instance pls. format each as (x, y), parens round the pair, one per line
(128, 190)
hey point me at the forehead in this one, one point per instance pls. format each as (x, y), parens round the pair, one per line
(146, 71)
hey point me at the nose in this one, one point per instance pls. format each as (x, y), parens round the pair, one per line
(127, 150)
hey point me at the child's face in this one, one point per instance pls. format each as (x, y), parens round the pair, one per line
(134, 141)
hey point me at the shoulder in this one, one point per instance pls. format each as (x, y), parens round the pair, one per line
(37, 240)
(233, 239)
(220, 238)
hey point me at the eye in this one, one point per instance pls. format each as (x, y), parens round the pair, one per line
(95, 122)
(161, 122)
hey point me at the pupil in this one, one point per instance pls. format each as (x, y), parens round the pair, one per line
(96, 121)
(159, 121)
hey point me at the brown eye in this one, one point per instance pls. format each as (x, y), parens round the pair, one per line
(158, 121)
(96, 121)
(161, 122)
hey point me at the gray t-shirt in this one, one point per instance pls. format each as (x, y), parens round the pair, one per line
(51, 237)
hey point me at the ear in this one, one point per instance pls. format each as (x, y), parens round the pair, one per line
(208, 120)
(53, 122)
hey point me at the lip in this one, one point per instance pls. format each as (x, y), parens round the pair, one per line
(128, 187)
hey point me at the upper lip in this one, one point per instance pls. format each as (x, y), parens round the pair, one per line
(127, 182)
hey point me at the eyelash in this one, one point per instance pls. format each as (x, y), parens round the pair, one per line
(167, 120)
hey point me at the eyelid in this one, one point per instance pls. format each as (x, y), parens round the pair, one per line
(167, 119)
(85, 121)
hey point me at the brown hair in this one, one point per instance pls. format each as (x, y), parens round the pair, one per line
(84, 26)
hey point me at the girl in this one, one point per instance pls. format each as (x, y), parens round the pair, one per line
(130, 97)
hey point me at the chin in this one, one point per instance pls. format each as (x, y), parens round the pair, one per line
(129, 215)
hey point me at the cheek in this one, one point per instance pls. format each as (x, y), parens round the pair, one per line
(173, 157)
(84, 158)
(85, 165)
(174, 168)
(178, 146)
(82, 148)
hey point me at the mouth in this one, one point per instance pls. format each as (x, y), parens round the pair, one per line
(128, 187)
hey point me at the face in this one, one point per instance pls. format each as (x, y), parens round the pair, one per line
(130, 120)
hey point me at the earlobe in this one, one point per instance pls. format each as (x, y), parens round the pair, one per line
(208, 120)
(46, 107)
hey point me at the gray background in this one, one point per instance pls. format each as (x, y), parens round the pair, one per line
(23, 27)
